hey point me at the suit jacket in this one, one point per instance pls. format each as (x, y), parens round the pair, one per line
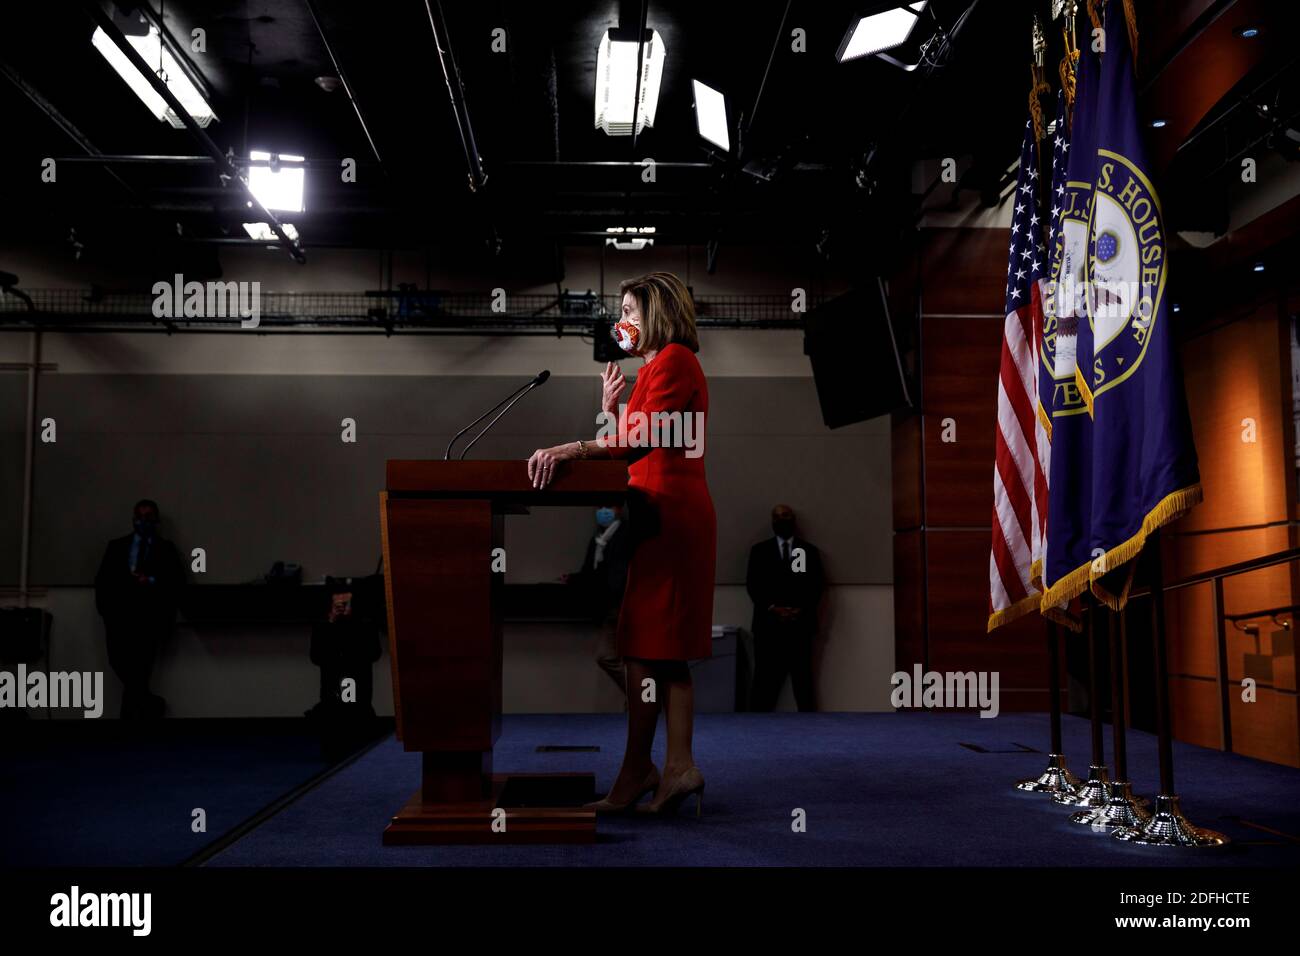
(118, 594)
(606, 583)
(770, 581)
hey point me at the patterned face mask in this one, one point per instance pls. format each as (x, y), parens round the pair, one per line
(627, 336)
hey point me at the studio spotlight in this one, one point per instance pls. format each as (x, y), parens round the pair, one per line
(879, 32)
(711, 115)
(616, 81)
(277, 186)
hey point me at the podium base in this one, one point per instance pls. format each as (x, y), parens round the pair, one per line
(535, 808)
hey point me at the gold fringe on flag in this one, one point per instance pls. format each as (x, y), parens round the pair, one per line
(1063, 617)
(1064, 590)
(1045, 420)
(1008, 614)
(1171, 507)
(1084, 389)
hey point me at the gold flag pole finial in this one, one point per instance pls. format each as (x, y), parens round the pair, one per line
(1067, 10)
(1037, 85)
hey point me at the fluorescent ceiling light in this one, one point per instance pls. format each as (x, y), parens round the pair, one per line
(880, 31)
(711, 115)
(277, 190)
(630, 230)
(630, 245)
(616, 73)
(156, 55)
(263, 231)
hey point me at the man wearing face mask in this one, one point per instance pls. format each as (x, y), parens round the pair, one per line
(785, 582)
(137, 589)
(603, 578)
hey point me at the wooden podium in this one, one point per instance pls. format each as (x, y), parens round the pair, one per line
(441, 522)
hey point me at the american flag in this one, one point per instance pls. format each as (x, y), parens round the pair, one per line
(1020, 471)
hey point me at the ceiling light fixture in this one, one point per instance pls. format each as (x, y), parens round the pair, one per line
(616, 81)
(152, 51)
(262, 231)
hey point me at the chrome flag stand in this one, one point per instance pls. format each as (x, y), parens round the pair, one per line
(1121, 808)
(1093, 791)
(1167, 826)
(1056, 778)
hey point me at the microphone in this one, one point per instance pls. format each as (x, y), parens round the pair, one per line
(513, 397)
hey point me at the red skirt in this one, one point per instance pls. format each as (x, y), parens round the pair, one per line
(667, 611)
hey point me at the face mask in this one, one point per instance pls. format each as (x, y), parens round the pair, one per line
(145, 528)
(627, 336)
(783, 528)
(604, 517)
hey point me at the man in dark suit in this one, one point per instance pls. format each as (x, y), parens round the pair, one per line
(785, 582)
(603, 577)
(137, 590)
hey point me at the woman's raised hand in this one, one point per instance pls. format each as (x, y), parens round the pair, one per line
(612, 386)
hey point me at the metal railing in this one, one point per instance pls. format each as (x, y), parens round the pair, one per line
(1216, 577)
(402, 310)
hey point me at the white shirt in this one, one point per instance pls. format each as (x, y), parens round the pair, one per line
(602, 539)
(785, 546)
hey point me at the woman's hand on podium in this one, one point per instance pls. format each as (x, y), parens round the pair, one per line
(541, 466)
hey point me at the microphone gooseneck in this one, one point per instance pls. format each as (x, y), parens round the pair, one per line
(538, 379)
(488, 427)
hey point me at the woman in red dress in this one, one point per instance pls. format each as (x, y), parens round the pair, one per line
(667, 614)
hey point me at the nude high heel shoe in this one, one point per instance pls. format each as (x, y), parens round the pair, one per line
(649, 785)
(689, 782)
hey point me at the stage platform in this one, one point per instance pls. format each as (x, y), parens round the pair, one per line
(895, 789)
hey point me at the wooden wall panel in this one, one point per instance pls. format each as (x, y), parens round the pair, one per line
(1190, 627)
(905, 449)
(1237, 378)
(909, 599)
(960, 360)
(963, 271)
(944, 498)
(1194, 711)
(959, 638)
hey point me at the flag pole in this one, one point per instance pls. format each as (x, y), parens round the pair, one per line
(1057, 777)
(1093, 791)
(1122, 808)
(1167, 826)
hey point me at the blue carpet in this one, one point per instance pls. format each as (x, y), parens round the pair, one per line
(118, 797)
(878, 789)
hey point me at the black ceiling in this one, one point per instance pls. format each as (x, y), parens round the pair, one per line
(532, 115)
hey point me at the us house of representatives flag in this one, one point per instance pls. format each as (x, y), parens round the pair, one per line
(1144, 466)
(1069, 495)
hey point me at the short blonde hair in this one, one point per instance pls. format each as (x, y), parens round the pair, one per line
(667, 311)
